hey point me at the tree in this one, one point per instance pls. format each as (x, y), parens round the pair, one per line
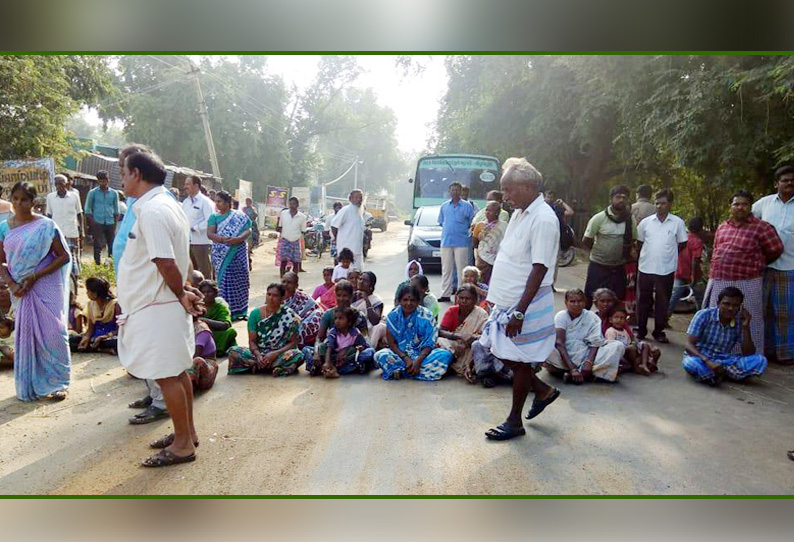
(38, 95)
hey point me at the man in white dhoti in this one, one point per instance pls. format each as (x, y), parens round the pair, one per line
(520, 330)
(156, 330)
(348, 228)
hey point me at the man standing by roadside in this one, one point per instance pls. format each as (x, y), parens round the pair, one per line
(156, 330)
(661, 237)
(743, 246)
(102, 213)
(63, 207)
(198, 208)
(520, 329)
(610, 236)
(291, 225)
(778, 210)
(348, 228)
(455, 219)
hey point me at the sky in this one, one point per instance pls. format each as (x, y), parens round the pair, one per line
(414, 98)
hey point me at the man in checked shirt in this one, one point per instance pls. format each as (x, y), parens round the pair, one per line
(743, 246)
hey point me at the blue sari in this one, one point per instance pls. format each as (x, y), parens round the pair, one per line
(413, 333)
(42, 359)
(231, 262)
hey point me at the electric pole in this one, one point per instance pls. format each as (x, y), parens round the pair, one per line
(205, 120)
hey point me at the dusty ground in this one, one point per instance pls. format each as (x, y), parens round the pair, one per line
(261, 435)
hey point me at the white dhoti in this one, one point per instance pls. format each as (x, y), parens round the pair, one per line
(537, 338)
(157, 341)
(605, 366)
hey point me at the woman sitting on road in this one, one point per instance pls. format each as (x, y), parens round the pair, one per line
(413, 269)
(582, 354)
(460, 328)
(304, 306)
(324, 294)
(314, 355)
(605, 301)
(273, 335)
(218, 317)
(370, 305)
(205, 365)
(471, 275)
(411, 335)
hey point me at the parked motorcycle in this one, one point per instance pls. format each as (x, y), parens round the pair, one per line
(367, 236)
(314, 238)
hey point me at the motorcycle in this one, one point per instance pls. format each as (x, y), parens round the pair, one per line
(315, 238)
(367, 236)
(566, 256)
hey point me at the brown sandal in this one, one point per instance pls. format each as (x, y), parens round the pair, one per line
(164, 458)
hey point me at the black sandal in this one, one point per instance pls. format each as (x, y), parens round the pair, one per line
(141, 403)
(505, 432)
(539, 405)
(164, 458)
(165, 442)
(791, 454)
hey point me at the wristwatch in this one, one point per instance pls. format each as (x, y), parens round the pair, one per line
(518, 315)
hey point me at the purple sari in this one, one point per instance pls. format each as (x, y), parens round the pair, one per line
(42, 360)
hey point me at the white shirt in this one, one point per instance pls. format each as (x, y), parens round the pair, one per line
(350, 223)
(64, 212)
(327, 224)
(781, 215)
(292, 227)
(160, 231)
(659, 254)
(198, 209)
(532, 236)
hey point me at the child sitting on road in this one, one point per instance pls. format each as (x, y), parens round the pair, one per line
(342, 269)
(640, 356)
(100, 336)
(346, 346)
(6, 342)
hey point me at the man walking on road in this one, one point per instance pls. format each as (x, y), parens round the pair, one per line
(156, 330)
(661, 237)
(63, 207)
(455, 219)
(102, 213)
(198, 208)
(291, 225)
(520, 330)
(348, 228)
(778, 210)
(610, 236)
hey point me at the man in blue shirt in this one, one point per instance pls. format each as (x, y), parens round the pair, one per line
(102, 212)
(455, 219)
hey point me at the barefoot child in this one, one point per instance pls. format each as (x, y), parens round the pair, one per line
(6, 342)
(343, 268)
(639, 355)
(345, 345)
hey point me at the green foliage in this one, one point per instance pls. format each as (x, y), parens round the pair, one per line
(102, 271)
(38, 94)
(704, 125)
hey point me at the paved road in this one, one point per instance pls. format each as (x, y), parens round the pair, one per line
(662, 434)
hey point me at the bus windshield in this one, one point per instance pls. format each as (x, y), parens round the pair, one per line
(434, 174)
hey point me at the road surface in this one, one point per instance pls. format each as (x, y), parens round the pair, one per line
(361, 435)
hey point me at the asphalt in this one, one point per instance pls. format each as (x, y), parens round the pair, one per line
(662, 434)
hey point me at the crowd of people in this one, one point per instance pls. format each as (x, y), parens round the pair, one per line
(183, 279)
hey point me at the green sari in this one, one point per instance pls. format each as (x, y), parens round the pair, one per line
(224, 338)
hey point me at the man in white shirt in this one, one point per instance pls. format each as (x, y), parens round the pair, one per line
(291, 225)
(198, 208)
(520, 329)
(778, 210)
(156, 338)
(64, 208)
(348, 227)
(661, 237)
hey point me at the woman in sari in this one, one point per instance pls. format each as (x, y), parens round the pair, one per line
(325, 293)
(35, 265)
(368, 303)
(304, 306)
(273, 334)
(413, 269)
(228, 231)
(411, 335)
(218, 317)
(460, 328)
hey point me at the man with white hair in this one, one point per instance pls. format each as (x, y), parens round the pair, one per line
(520, 330)
(348, 228)
(64, 208)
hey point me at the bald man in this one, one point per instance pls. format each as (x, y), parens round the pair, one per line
(64, 208)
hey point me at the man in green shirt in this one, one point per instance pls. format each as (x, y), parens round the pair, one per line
(610, 236)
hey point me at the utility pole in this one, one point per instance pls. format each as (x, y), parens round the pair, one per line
(205, 120)
(355, 175)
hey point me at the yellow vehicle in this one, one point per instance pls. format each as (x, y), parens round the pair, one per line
(378, 208)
